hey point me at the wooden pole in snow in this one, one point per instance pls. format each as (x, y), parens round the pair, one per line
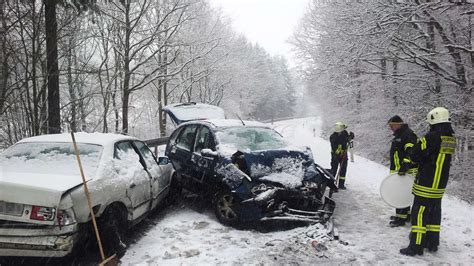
(89, 202)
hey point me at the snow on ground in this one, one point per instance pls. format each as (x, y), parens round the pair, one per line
(189, 237)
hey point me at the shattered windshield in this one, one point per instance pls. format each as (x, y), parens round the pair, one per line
(50, 158)
(249, 139)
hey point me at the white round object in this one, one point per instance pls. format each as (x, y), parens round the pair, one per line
(395, 190)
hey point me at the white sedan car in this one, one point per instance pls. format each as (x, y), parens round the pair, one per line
(43, 206)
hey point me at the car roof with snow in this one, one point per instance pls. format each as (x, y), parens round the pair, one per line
(183, 112)
(103, 139)
(223, 123)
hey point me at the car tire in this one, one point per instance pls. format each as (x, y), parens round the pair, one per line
(225, 206)
(114, 231)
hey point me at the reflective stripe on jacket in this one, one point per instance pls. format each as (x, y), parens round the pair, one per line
(404, 140)
(339, 142)
(433, 153)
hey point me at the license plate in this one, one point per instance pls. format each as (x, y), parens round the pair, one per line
(11, 208)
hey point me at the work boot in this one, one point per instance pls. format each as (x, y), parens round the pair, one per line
(409, 251)
(397, 222)
(393, 217)
(341, 184)
(432, 248)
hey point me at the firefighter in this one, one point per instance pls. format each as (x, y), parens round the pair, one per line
(403, 141)
(339, 143)
(433, 153)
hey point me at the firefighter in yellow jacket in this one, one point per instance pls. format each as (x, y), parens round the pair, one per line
(433, 153)
(403, 141)
(340, 141)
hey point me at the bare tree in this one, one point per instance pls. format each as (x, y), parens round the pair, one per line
(51, 30)
(346, 49)
(141, 23)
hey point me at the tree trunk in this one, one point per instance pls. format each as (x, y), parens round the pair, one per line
(105, 128)
(36, 52)
(71, 87)
(81, 108)
(51, 29)
(165, 90)
(43, 111)
(117, 84)
(3, 57)
(114, 105)
(126, 69)
(383, 65)
(471, 28)
(430, 44)
(395, 70)
(160, 112)
(125, 103)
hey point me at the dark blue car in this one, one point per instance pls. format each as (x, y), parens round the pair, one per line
(249, 172)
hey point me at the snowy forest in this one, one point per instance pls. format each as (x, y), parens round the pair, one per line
(365, 61)
(119, 62)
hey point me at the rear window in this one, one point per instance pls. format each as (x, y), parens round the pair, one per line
(51, 158)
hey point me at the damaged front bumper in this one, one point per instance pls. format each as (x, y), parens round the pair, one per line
(41, 241)
(288, 205)
(284, 213)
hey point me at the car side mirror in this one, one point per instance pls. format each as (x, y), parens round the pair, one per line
(209, 153)
(163, 160)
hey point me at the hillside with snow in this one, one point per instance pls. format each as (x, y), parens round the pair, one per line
(190, 235)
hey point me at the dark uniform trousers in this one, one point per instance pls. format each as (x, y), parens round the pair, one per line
(426, 222)
(335, 161)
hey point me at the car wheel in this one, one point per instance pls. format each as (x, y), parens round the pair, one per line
(225, 205)
(114, 229)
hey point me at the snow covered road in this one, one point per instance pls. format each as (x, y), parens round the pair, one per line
(186, 236)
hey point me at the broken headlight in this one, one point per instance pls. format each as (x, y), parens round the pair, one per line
(260, 188)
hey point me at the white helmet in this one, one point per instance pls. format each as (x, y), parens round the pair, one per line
(340, 127)
(438, 115)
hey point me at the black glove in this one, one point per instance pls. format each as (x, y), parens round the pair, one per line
(351, 135)
(403, 169)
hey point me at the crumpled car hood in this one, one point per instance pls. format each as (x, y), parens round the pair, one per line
(279, 164)
(286, 167)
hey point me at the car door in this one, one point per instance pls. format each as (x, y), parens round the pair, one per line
(160, 174)
(203, 165)
(131, 171)
(180, 150)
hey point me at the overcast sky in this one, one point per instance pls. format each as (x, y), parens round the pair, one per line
(268, 22)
